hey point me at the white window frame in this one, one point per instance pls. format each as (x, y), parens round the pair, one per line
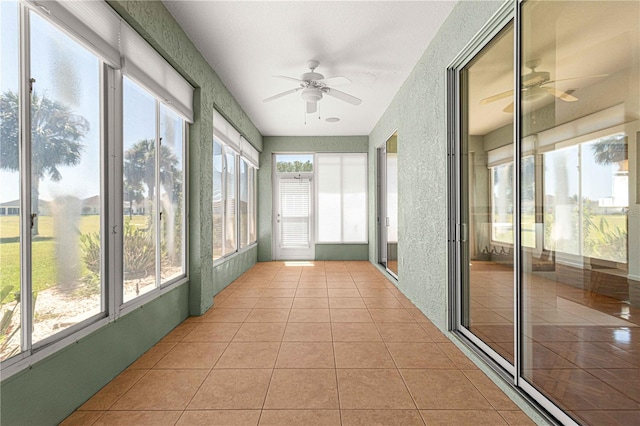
(227, 136)
(73, 19)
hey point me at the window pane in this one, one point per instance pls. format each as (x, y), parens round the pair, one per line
(244, 204)
(354, 198)
(9, 183)
(605, 198)
(329, 187)
(579, 96)
(253, 204)
(139, 185)
(297, 163)
(171, 194)
(218, 200)
(502, 203)
(231, 203)
(561, 221)
(65, 185)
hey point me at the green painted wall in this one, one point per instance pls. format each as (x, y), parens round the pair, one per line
(51, 389)
(290, 144)
(226, 272)
(154, 22)
(342, 251)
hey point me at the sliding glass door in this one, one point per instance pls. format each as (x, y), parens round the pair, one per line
(487, 200)
(581, 279)
(545, 223)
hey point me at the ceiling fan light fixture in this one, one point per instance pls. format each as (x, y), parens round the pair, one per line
(533, 94)
(311, 94)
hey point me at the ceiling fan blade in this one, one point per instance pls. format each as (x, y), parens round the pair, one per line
(509, 108)
(279, 95)
(497, 97)
(574, 78)
(342, 96)
(336, 81)
(312, 107)
(564, 96)
(284, 77)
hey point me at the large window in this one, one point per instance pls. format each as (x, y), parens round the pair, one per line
(84, 195)
(342, 198)
(234, 190)
(153, 176)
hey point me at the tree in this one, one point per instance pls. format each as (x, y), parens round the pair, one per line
(296, 166)
(610, 150)
(56, 135)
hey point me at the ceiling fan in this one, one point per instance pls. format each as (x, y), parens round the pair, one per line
(313, 86)
(536, 85)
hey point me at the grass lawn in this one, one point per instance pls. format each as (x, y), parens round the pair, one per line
(44, 268)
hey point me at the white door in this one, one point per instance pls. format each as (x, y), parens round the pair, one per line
(293, 218)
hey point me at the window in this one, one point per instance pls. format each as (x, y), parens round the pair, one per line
(342, 198)
(153, 177)
(85, 174)
(294, 163)
(234, 190)
(586, 195)
(218, 199)
(501, 192)
(244, 204)
(63, 177)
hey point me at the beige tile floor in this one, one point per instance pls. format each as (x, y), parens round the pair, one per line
(303, 343)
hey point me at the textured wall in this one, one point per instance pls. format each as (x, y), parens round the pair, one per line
(418, 112)
(342, 251)
(152, 20)
(291, 144)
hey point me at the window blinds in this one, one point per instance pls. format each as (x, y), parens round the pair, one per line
(228, 135)
(342, 197)
(295, 207)
(97, 26)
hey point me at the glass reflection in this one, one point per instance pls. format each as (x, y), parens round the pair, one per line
(581, 280)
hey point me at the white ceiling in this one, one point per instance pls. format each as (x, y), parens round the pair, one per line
(375, 44)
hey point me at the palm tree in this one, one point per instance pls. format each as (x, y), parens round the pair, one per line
(610, 150)
(56, 135)
(139, 169)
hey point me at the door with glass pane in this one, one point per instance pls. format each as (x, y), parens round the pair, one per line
(293, 217)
